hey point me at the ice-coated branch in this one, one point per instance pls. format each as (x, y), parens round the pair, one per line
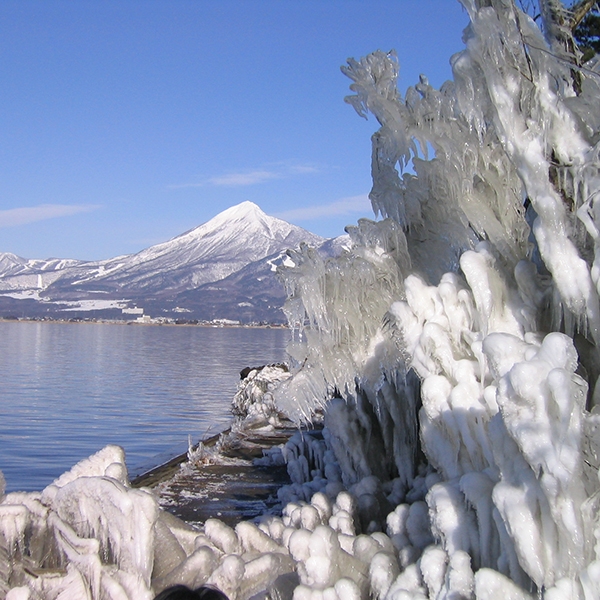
(493, 180)
(578, 12)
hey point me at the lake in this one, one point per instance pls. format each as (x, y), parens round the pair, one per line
(68, 389)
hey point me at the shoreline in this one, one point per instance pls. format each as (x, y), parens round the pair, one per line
(129, 400)
(204, 324)
(162, 471)
(227, 484)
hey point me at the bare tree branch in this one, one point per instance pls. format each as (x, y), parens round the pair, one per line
(578, 12)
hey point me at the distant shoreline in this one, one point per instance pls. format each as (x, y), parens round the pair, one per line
(211, 325)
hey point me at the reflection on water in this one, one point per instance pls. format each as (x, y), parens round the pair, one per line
(67, 390)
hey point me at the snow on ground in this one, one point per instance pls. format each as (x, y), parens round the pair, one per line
(93, 305)
(78, 305)
(24, 295)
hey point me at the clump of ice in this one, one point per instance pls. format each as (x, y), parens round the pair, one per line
(254, 408)
(87, 534)
(253, 402)
(90, 535)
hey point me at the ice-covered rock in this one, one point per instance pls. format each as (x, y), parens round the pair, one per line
(253, 402)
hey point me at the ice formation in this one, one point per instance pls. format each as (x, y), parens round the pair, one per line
(452, 352)
(454, 347)
(254, 404)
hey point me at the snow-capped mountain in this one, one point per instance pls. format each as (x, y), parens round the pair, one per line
(11, 264)
(180, 268)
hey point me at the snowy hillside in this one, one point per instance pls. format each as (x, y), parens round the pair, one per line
(11, 264)
(234, 239)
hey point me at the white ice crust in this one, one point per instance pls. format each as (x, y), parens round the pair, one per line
(451, 349)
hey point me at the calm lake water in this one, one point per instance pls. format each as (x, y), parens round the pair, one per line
(67, 390)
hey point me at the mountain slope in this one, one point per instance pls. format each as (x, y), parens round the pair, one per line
(238, 243)
(210, 252)
(11, 265)
(251, 294)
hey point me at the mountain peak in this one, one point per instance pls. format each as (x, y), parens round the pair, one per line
(243, 209)
(238, 237)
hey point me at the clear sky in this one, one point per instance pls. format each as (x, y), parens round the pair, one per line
(128, 122)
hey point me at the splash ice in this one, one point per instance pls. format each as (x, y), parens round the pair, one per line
(489, 295)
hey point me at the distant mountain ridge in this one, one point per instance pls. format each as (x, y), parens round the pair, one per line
(174, 278)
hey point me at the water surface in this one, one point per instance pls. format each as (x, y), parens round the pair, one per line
(67, 390)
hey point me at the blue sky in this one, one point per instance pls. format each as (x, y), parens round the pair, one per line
(125, 123)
